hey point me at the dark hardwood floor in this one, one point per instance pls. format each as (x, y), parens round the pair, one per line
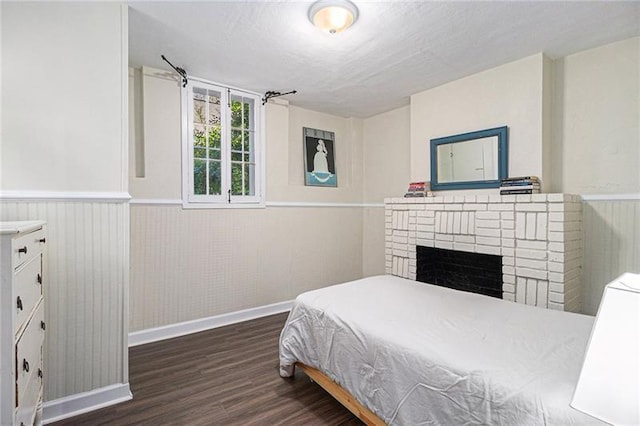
(225, 376)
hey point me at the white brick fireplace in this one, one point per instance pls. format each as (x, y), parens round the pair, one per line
(539, 237)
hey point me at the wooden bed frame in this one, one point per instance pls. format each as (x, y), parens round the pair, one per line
(342, 396)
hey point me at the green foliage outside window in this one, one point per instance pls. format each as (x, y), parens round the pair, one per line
(207, 145)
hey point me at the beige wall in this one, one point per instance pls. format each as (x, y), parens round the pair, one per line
(60, 113)
(596, 150)
(223, 260)
(154, 156)
(192, 264)
(386, 155)
(386, 174)
(596, 116)
(64, 135)
(508, 95)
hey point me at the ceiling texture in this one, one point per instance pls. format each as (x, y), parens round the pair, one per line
(395, 49)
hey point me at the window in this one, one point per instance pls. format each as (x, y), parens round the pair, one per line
(222, 147)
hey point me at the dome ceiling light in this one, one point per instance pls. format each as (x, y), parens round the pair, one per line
(333, 16)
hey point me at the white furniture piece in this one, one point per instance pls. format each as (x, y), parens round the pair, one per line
(22, 325)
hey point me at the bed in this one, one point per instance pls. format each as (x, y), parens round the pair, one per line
(412, 353)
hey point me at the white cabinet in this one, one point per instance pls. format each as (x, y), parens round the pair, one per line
(22, 326)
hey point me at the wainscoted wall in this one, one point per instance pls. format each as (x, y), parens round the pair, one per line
(611, 245)
(86, 296)
(191, 264)
(64, 160)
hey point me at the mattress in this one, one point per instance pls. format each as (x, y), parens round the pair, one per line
(416, 353)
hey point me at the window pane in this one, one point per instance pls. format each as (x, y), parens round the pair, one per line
(236, 156)
(199, 105)
(247, 141)
(236, 113)
(236, 140)
(214, 108)
(246, 158)
(200, 177)
(236, 179)
(198, 136)
(247, 115)
(199, 152)
(214, 137)
(214, 154)
(214, 178)
(248, 173)
(198, 111)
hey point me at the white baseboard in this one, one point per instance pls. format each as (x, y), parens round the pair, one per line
(80, 403)
(180, 329)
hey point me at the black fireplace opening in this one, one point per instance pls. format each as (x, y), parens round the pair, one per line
(460, 270)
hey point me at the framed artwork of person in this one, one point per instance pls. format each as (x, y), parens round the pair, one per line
(319, 158)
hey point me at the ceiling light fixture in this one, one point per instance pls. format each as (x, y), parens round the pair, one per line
(333, 16)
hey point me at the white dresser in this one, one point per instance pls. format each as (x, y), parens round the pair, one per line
(22, 326)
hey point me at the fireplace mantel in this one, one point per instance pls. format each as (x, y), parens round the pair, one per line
(539, 237)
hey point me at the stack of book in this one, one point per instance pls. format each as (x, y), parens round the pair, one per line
(418, 189)
(520, 185)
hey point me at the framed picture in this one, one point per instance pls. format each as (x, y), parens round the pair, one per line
(319, 158)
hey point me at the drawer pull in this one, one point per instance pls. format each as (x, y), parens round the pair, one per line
(23, 250)
(43, 325)
(40, 374)
(25, 365)
(39, 279)
(42, 240)
(19, 303)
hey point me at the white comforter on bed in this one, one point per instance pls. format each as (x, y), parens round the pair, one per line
(415, 353)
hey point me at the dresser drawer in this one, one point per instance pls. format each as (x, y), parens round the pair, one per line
(27, 408)
(29, 356)
(23, 250)
(27, 247)
(27, 289)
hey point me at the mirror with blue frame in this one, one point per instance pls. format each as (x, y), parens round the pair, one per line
(470, 160)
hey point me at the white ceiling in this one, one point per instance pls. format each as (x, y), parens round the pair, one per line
(395, 49)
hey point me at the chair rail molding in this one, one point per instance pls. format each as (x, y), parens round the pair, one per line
(109, 197)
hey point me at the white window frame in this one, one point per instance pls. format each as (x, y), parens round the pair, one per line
(224, 200)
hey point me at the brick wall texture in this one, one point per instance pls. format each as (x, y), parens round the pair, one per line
(539, 237)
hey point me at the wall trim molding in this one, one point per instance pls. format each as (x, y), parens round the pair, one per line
(80, 403)
(177, 201)
(170, 331)
(319, 204)
(126, 197)
(611, 197)
(111, 197)
(156, 201)
(106, 197)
